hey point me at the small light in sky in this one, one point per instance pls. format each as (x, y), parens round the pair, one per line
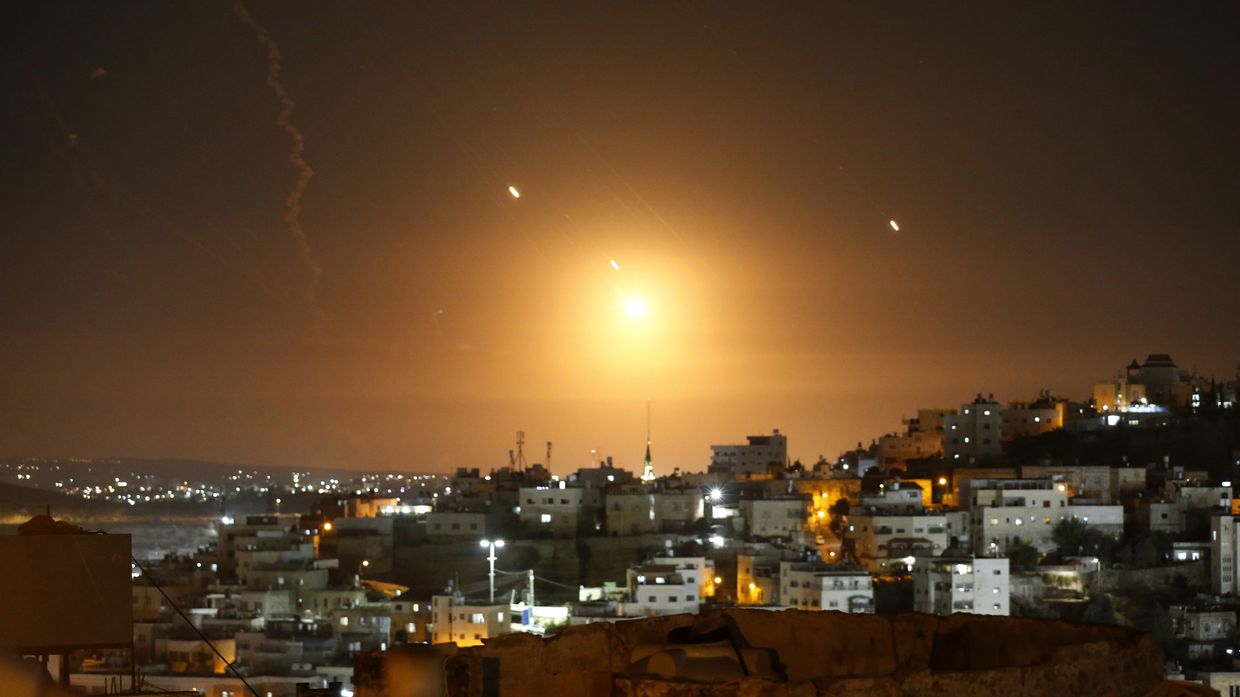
(614, 265)
(893, 225)
(513, 190)
(635, 308)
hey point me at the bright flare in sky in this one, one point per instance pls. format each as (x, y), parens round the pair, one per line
(893, 225)
(614, 265)
(635, 308)
(513, 190)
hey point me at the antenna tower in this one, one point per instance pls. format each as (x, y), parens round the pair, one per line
(520, 461)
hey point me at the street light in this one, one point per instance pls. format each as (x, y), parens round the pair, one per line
(493, 545)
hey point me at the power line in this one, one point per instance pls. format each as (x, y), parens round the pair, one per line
(194, 627)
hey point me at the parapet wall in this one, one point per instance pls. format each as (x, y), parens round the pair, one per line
(795, 652)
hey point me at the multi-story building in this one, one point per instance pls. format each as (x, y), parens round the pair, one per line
(1224, 555)
(754, 459)
(888, 541)
(638, 510)
(699, 570)
(1007, 511)
(1088, 481)
(950, 584)
(1202, 625)
(776, 516)
(446, 526)
(1028, 419)
(896, 449)
(661, 589)
(895, 495)
(757, 579)
(558, 509)
(819, 586)
(466, 623)
(975, 433)
(1156, 383)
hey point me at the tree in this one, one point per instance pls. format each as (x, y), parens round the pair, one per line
(1074, 537)
(839, 513)
(1023, 556)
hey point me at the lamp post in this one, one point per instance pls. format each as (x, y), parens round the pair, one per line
(493, 545)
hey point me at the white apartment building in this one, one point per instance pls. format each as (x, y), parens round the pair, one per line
(946, 585)
(753, 458)
(895, 495)
(974, 433)
(819, 586)
(660, 589)
(1224, 555)
(458, 621)
(557, 508)
(699, 570)
(1005, 511)
(886, 542)
(778, 516)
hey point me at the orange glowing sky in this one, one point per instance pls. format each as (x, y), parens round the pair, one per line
(1061, 183)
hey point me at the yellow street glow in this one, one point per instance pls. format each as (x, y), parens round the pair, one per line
(635, 308)
(513, 190)
(893, 225)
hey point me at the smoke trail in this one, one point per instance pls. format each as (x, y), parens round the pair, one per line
(292, 203)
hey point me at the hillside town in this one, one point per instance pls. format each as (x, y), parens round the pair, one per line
(1112, 509)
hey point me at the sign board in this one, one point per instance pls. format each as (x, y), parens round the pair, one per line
(65, 592)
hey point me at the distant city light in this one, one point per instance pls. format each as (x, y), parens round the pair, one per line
(513, 190)
(893, 225)
(614, 265)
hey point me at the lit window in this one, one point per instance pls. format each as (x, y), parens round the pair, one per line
(546, 518)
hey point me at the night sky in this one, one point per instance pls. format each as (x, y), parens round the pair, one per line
(1066, 180)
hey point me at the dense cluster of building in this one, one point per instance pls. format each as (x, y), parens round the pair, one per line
(939, 519)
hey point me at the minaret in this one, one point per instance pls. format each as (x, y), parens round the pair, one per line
(648, 465)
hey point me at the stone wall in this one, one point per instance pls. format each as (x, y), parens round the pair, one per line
(821, 653)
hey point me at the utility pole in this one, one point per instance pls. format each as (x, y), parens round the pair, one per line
(491, 558)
